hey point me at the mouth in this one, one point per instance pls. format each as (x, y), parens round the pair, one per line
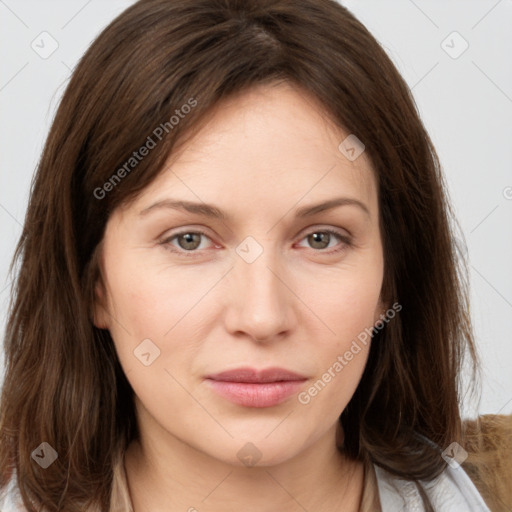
(249, 387)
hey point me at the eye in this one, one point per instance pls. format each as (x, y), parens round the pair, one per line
(187, 241)
(321, 239)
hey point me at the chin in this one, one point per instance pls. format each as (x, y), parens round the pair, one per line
(260, 452)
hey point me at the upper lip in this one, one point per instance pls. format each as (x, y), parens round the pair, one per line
(253, 375)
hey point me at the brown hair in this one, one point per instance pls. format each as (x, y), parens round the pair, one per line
(64, 384)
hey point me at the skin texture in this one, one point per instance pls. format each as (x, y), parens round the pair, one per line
(261, 155)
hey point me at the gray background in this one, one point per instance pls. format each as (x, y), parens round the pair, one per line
(464, 98)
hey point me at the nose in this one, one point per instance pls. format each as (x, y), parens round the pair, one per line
(261, 303)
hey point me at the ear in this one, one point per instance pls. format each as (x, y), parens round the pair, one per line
(100, 313)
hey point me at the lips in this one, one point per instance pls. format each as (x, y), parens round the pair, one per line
(256, 388)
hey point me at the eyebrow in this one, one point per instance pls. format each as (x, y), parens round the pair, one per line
(208, 210)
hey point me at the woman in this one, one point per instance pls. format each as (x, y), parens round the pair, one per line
(237, 282)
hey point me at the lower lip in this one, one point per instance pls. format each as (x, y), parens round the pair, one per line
(247, 394)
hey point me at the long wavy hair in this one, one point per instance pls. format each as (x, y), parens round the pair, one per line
(63, 381)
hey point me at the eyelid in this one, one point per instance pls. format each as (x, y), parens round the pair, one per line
(314, 228)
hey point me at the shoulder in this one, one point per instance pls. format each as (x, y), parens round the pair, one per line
(480, 483)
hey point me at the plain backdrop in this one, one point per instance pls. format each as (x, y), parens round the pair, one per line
(455, 56)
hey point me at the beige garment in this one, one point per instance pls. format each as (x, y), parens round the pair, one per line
(121, 501)
(370, 501)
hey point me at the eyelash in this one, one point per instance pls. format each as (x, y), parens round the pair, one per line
(347, 242)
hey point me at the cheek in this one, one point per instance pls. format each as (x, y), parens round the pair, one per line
(151, 299)
(341, 352)
(156, 303)
(348, 305)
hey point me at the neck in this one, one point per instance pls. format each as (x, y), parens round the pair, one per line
(166, 474)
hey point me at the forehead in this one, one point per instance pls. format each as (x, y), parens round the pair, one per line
(269, 144)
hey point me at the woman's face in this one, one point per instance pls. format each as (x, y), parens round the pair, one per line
(189, 293)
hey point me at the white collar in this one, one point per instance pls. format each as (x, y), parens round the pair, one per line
(451, 491)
